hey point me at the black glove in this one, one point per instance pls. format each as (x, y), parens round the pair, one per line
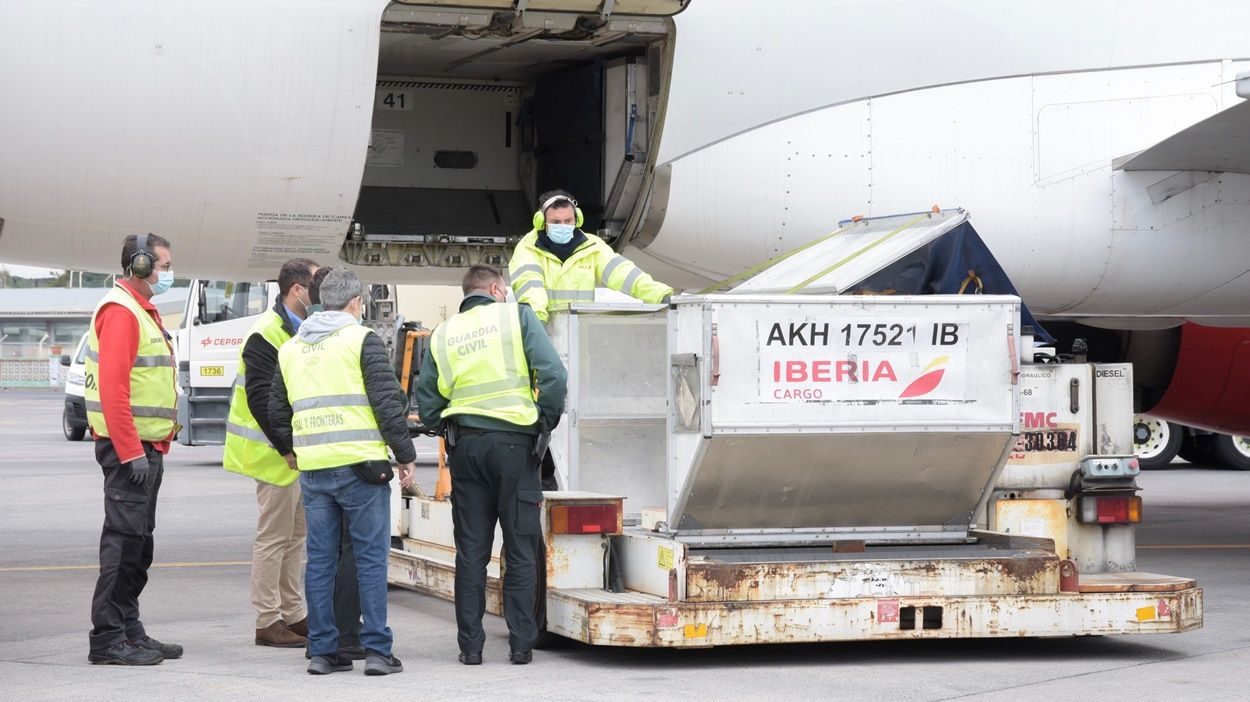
(140, 472)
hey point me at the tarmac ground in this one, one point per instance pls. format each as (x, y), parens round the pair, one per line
(1197, 524)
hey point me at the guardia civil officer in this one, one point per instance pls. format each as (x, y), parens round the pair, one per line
(131, 407)
(478, 380)
(278, 549)
(556, 263)
(335, 399)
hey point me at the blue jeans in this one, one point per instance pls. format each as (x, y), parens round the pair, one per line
(329, 496)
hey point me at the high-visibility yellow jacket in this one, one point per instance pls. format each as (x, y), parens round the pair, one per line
(248, 450)
(481, 365)
(544, 282)
(332, 424)
(153, 398)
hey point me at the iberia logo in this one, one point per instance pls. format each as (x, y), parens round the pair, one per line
(929, 379)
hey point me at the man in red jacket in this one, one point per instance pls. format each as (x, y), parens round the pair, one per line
(131, 403)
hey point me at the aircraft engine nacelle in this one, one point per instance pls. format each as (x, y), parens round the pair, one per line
(1210, 383)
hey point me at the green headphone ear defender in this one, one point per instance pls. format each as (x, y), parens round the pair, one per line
(141, 261)
(540, 217)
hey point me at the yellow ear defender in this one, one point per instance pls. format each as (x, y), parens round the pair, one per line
(540, 217)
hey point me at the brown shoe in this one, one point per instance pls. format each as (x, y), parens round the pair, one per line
(279, 636)
(300, 627)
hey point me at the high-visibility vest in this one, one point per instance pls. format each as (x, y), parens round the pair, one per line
(153, 397)
(332, 422)
(248, 450)
(481, 365)
(541, 280)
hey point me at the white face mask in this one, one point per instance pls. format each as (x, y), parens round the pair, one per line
(560, 233)
(164, 281)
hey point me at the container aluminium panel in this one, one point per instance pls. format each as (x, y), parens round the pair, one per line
(853, 364)
(612, 440)
(838, 413)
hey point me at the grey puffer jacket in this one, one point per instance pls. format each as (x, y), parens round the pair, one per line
(386, 396)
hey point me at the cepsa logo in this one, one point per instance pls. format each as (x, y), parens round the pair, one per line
(222, 341)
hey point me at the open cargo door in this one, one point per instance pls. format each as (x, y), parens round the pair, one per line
(482, 106)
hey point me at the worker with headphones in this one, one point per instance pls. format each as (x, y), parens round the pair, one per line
(557, 264)
(131, 401)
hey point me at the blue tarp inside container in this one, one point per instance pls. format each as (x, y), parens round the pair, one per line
(956, 262)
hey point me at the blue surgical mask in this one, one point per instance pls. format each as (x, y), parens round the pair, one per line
(164, 281)
(560, 233)
(314, 309)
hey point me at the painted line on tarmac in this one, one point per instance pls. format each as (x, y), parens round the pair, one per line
(40, 569)
(1162, 547)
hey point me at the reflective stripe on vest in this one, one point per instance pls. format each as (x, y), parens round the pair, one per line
(481, 365)
(541, 280)
(248, 451)
(145, 361)
(153, 398)
(332, 424)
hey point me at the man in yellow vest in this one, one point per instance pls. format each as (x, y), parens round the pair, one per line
(557, 264)
(477, 380)
(131, 404)
(346, 598)
(278, 550)
(336, 406)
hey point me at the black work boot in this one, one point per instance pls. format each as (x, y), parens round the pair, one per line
(125, 653)
(520, 657)
(169, 651)
(471, 657)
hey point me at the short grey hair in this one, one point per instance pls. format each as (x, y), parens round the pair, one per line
(339, 287)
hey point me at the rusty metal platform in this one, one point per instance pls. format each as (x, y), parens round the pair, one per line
(910, 572)
(632, 619)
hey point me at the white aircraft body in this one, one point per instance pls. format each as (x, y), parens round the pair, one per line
(1101, 148)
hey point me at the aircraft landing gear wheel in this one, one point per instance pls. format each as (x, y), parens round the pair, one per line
(1196, 448)
(1155, 441)
(1232, 451)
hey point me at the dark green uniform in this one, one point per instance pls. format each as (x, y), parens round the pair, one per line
(494, 473)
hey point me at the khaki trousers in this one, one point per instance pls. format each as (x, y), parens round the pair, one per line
(277, 555)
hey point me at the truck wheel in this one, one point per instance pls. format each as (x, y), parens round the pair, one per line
(1155, 441)
(1232, 451)
(72, 433)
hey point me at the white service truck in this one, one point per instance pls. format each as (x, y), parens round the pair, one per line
(218, 316)
(761, 467)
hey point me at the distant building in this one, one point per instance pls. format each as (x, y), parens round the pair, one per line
(42, 322)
